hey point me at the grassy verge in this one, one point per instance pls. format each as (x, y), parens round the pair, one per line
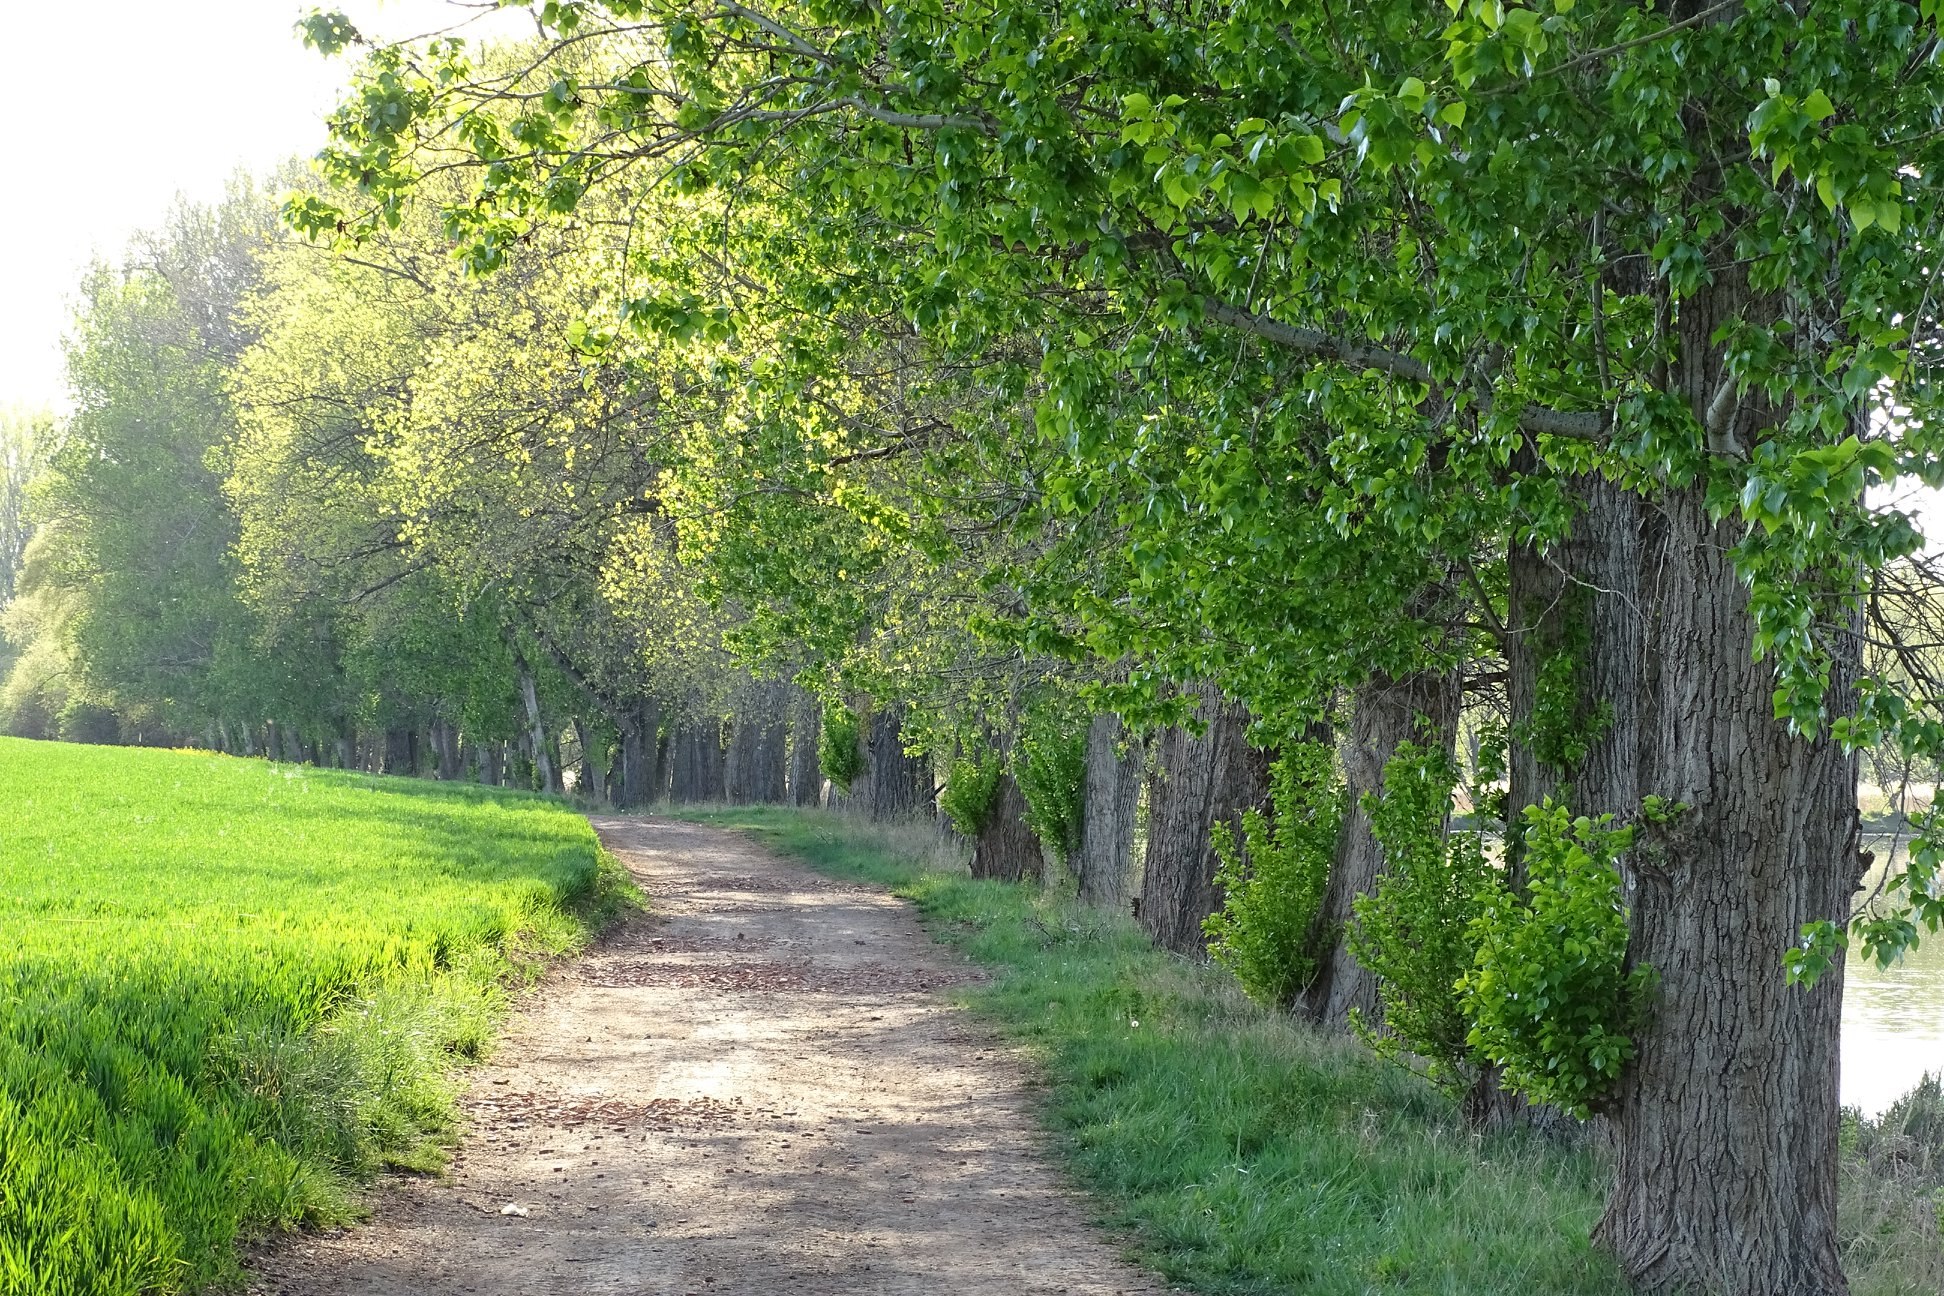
(230, 990)
(1241, 1153)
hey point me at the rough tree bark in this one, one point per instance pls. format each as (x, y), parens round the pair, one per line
(1726, 1123)
(806, 728)
(1197, 779)
(899, 785)
(1384, 713)
(1006, 848)
(1104, 863)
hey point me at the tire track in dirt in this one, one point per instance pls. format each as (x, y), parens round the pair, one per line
(752, 1089)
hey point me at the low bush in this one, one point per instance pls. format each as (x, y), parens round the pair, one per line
(1273, 881)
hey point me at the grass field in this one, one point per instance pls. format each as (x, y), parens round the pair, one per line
(230, 990)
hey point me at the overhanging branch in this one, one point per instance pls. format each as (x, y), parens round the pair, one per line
(1577, 425)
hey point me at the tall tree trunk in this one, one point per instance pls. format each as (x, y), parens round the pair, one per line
(764, 759)
(900, 784)
(492, 764)
(1581, 599)
(445, 750)
(592, 781)
(640, 749)
(1006, 848)
(683, 778)
(398, 752)
(699, 761)
(806, 730)
(713, 754)
(1385, 713)
(1196, 780)
(1110, 800)
(537, 745)
(1726, 1122)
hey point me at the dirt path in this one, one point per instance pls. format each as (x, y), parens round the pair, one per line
(752, 1090)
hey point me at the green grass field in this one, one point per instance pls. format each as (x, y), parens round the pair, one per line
(231, 990)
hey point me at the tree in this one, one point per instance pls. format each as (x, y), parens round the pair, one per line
(1459, 263)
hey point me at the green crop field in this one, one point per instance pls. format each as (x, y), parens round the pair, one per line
(229, 990)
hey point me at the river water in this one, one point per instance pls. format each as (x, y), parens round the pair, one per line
(1893, 1020)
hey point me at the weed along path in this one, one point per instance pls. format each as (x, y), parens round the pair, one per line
(752, 1089)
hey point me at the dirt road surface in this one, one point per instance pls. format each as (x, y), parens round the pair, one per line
(754, 1088)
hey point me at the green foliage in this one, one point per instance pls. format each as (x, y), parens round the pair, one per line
(230, 990)
(1244, 1153)
(1550, 996)
(1049, 762)
(1266, 932)
(1561, 728)
(839, 754)
(1414, 932)
(971, 790)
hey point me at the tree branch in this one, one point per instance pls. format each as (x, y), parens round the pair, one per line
(1577, 425)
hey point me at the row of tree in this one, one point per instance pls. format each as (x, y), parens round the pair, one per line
(1233, 428)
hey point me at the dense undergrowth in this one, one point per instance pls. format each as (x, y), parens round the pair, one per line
(231, 990)
(1244, 1153)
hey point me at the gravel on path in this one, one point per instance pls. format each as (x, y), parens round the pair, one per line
(751, 1088)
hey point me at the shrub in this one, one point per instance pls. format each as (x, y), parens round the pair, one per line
(837, 750)
(1050, 764)
(1549, 993)
(971, 789)
(1272, 883)
(1414, 933)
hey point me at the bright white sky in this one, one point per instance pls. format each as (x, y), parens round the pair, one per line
(117, 106)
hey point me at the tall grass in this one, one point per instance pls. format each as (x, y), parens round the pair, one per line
(1241, 1152)
(229, 990)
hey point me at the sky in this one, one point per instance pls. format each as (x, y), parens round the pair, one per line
(116, 107)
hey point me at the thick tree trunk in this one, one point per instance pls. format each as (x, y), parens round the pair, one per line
(1196, 780)
(1726, 1122)
(1006, 848)
(900, 784)
(1385, 713)
(1105, 861)
(806, 728)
